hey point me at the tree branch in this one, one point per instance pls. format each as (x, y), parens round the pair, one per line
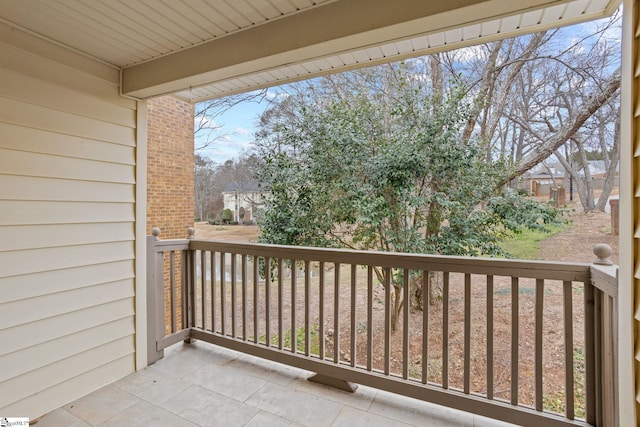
(582, 113)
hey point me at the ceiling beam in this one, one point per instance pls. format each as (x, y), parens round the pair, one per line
(336, 27)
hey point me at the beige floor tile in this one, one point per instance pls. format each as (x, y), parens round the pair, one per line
(360, 399)
(180, 363)
(418, 413)
(206, 408)
(265, 419)
(267, 370)
(144, 414)
(351, 417)
(296, 406)
(152, 385)
(102, 405)
(479, 421)
(61, 417)
(226, 380)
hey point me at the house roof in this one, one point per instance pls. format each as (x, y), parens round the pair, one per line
(242, 187)
(201, 49)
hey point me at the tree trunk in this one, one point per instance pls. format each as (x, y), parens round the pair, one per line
(434, 289)
(578, 181)
(611, 169)
(396, 308)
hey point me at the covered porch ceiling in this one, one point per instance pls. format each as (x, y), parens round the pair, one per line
(203, 49)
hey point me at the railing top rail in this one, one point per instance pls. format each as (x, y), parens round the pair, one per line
(168, 244)
(605, 278)
(569, 271)
(171, 245)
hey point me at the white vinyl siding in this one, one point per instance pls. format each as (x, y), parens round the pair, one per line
(629, 280)
(67, 226)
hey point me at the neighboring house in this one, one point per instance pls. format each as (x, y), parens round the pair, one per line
(540, 181)
(598, 172)
(243, 197)
(75, 79)
(597, 169)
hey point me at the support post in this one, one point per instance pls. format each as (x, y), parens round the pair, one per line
(334, 382)
(155, 299)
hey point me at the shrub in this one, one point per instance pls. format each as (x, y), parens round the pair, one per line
(227, 215)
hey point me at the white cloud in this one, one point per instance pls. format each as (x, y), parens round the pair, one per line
(227, 147)
(201, 122)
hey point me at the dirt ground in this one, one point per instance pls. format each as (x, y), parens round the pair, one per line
(574, 243)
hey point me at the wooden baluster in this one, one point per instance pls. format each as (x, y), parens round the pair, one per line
(234, 286)
(294, 334)
(244, 297)
(387, 320)
(369, 317)
(425, 325)
(336, 314)
(354, 332)
(567, 299)
(467, 334)
(515, 333)
(307, 302)
(490, 337)
(538, 366)
(280, 304)
(406, 292)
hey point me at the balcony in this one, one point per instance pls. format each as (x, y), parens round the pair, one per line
(530, 343)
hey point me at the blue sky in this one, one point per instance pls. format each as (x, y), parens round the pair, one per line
(237, 127)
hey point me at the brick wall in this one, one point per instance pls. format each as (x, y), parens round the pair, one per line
(170, 173)
(170, 179)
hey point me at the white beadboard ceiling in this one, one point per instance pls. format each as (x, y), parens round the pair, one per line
(196, 49)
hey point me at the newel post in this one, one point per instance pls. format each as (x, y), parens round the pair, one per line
(155, 298)
(602, 337)
(603, 252)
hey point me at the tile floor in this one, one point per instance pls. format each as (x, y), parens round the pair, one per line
(204, 385)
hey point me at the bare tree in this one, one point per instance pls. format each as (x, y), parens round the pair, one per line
(534, 94)
(207, 126)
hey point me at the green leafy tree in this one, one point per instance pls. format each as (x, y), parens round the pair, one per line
(380, 164)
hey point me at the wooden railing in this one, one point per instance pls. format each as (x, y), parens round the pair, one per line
(532, 343)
